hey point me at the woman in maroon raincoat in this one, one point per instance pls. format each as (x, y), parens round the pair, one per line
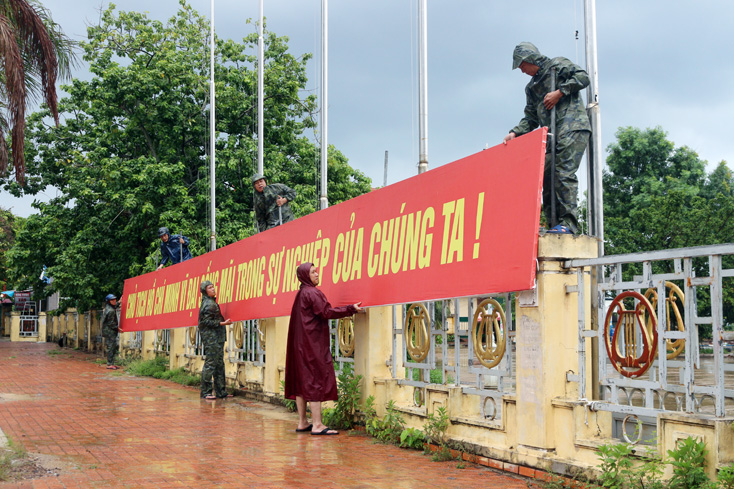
(309, 367)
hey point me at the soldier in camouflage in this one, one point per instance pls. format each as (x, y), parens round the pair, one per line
(271, 203)
(572, 127)
(213, 331)
(110, 329)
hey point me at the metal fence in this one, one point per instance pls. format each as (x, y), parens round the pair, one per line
(193, 345)
(162, 341)
(342, 341)
(246, 342)
(135, 341)
(28, 326)
(651, 312)
(470, 344)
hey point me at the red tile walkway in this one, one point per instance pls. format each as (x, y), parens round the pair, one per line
(110, 429)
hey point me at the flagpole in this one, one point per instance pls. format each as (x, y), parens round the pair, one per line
(422, 86)
(260, 93)
(212, 146)
(324, 124)
(594, 158)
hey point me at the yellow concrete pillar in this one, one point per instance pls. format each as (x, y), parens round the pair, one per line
(178, 348)
(547, 338)
(94, 329)
(42, 327)
(147, 350)
(15, 326)
(276, 341)
(373, 347)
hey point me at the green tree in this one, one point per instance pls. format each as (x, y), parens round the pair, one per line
(9, 227)
(131, 154)
(34, 52)
(657, 196)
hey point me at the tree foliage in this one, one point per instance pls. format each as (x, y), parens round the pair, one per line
(34, 53)
(131, 154)
(9, 227)
(657, 196)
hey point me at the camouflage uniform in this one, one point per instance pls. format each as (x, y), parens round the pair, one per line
(572, 127)
(109, 331)
(213, 337)
(266, 209)
(173, 251)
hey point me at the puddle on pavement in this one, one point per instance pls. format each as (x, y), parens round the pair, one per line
(8, 397)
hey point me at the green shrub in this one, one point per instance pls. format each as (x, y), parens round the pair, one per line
(412, 438)
(388, 429)
(158, 368)
(289, 404)
(341, 417)
(726, 477)
(689, 464)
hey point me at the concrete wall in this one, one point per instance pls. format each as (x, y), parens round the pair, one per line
(542, 425)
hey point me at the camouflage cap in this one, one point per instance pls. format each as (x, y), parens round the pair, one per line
(162, 231)
(525, 51)
(204, 285)
(110, 297)
(256, 177)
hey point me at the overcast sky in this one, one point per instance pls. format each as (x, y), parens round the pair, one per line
(660, 64)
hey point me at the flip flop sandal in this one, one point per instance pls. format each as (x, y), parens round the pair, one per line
(304, 430)
(324, 432)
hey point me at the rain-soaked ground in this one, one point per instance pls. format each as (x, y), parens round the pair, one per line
(95, 428)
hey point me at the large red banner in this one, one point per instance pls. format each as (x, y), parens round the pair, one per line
(466, 228)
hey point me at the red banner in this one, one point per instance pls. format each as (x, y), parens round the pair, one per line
(465, 228)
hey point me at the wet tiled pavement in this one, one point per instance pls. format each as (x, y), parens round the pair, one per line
(102, 428)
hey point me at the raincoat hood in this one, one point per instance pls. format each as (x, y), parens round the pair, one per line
(526, 51)
(304, 274)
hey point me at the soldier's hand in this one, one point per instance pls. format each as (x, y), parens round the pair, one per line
(358, 306)
(226, 322)
(551, 99)
(281, 201)
(159, 267)
(509, 137)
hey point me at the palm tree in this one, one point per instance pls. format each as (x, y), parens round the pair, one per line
(33, 54)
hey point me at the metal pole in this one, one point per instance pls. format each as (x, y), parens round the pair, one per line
(596, 197)
(552, 135)
(384, 180)
(595, 190)
(324, 201)
(260, 93)
(212, 146)
(422, 86)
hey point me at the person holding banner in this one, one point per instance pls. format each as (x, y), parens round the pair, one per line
(555, 90)
(309, 366)
(110, 329)
(173, 248)
(271, 203)
(213, 331)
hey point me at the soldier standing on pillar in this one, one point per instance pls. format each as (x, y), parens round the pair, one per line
(110, 329)
(271, 203)
(572, 128)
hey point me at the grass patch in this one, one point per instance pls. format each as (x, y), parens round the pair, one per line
(9, 457)
(158, 368)
(57, 352)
